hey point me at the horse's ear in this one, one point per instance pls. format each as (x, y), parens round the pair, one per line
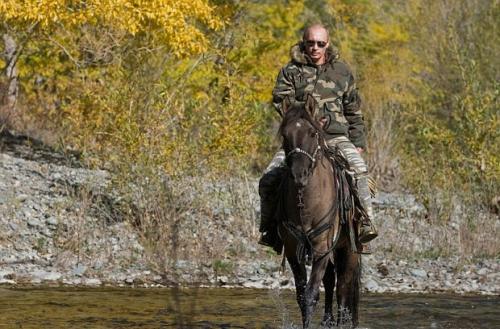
(310, 104)
(285, 105)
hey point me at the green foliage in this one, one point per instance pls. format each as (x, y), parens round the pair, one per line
(451, 131)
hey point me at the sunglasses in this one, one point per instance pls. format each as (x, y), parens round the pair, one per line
(311, 43)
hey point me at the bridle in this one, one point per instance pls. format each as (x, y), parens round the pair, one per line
(305, 237)
(312, 157)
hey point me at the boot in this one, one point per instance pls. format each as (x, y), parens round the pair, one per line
(268, 223)
(367, 230)
(268, 229)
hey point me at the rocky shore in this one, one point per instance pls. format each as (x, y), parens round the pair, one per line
(58, 226)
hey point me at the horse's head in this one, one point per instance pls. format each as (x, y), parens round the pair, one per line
(302, 139)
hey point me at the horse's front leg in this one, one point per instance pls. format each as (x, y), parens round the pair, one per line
(329, 284)
(348, 266)
(312, 288)
(300, 276)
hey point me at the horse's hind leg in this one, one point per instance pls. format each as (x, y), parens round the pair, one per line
(329, 284)
(312, 288)
(300, 276)
(348, 265)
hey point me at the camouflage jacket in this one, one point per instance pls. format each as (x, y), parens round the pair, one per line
(333, 87)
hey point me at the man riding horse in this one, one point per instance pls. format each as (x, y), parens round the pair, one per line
(315, 70)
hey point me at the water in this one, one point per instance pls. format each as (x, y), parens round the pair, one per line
(227, 308)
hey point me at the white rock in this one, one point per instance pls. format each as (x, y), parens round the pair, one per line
(371, 285)
(418, 273)
(93, 282)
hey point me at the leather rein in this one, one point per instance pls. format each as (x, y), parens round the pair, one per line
(305, 238)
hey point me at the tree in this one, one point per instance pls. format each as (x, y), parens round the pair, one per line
(181, 25)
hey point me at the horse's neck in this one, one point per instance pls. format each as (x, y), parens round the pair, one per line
(322, 181)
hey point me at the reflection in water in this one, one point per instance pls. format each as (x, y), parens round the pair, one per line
(226, 308)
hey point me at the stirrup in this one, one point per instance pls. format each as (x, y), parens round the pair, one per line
(367, 232)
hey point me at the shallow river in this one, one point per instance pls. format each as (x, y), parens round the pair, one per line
(226, 308)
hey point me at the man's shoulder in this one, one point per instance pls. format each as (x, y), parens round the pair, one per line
(342, 68)
(291, 68)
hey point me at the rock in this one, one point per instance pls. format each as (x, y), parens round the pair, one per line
(382, 269)
(5, 274)
(13, 226)
(222, 280)
(33, 222)
(79, 270)
(284, 282)
(418, 273)
(371, 285)
(92, 282)
(482, 271)
(72, 282)
(7, 281)
(42, 275)
(254, 285)
(22, 197)
(51, 221)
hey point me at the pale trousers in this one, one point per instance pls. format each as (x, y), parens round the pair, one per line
(356, 163)
(346, 147)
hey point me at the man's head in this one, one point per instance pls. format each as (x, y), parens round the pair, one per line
(316, 41)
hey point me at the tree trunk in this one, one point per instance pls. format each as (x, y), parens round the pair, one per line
(11, 87)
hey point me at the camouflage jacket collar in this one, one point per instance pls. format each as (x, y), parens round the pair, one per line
(298, 55)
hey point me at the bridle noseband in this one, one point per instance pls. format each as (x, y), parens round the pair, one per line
(311, 157)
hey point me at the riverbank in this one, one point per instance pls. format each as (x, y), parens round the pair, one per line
(62, 224)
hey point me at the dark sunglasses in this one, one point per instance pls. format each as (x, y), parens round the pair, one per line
(311, 43)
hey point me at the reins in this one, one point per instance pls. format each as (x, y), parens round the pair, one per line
(304, 238)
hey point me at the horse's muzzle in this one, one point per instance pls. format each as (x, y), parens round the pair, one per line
(300, 176)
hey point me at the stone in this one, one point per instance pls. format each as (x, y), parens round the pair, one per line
(79, 270)
(419, 273)
(92, 282)
(222, 280)
(52, 221)
(22, 197)
(33, 222)
(7, 281)
(371, 285)
(42, 275)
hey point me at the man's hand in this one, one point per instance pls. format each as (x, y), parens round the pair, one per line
(360, 150)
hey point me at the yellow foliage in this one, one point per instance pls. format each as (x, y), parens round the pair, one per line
(101, 73)
(175, 20)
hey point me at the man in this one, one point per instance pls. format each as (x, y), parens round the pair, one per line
(315, 69)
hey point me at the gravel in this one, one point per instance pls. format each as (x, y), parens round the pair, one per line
(49, 235)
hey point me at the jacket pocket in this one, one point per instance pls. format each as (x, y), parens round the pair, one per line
(334, 109)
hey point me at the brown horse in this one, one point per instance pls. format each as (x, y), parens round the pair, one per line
(312, 226)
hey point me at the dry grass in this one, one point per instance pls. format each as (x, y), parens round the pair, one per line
(197, 221)
(442, 229)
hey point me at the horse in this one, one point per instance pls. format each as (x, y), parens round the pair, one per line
(311, 225)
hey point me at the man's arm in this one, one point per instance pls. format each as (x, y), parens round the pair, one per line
(284, 87)
(352, 112)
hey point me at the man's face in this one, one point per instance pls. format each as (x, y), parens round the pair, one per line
(316, 43)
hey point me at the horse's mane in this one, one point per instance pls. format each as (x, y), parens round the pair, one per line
(296, 112)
